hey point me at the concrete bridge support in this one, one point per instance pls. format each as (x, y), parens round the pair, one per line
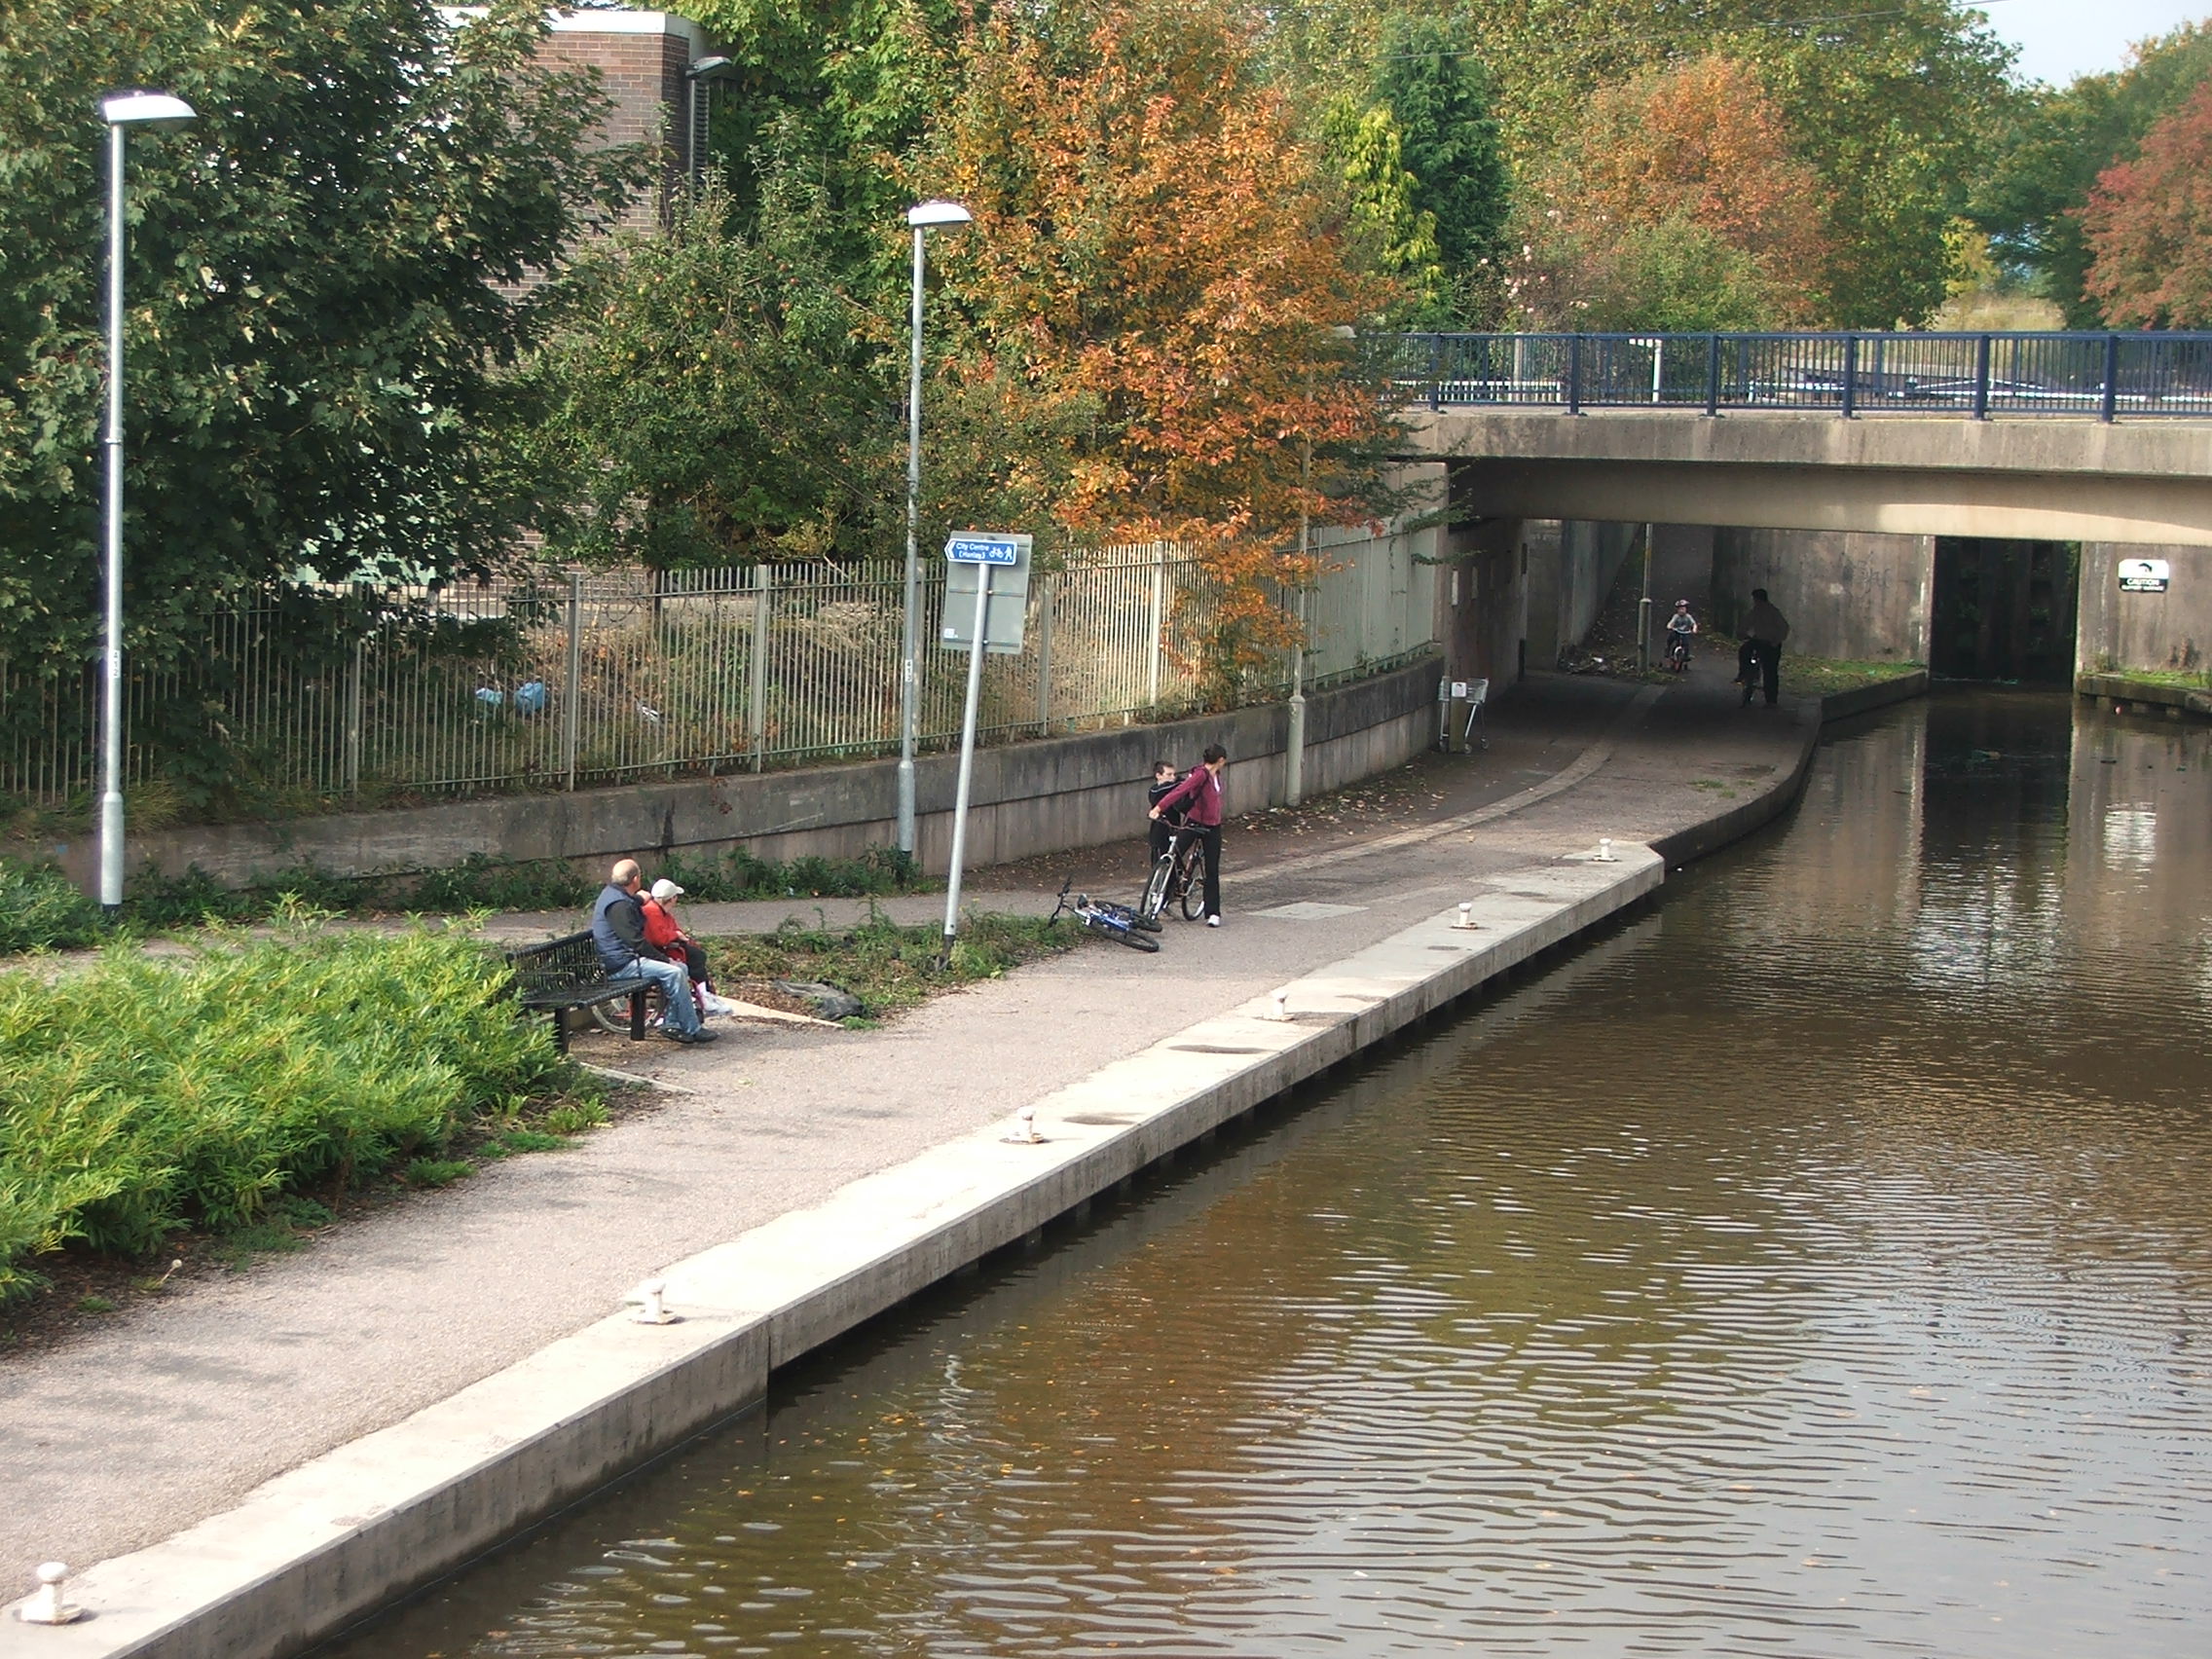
(1853, 595)
(2169, 631)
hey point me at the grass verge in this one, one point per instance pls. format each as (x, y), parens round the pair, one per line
(233, 1095)
(1825, 676)
(889, 968)
(2173, 680)
(42, 909)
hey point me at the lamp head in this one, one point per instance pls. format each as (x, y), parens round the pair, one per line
(135, 106)
(934, 215)
(711, 69)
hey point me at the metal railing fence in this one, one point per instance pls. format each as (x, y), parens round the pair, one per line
(2106, 376)
(564, 679)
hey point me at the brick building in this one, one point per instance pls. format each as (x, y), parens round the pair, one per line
(645, 61)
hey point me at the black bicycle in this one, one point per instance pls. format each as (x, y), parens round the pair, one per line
(1117, 922)
(1754, 666)
(1178, 873)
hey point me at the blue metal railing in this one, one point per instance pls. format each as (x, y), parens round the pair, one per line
(1975, 375)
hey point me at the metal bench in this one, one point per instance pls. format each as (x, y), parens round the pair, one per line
(566, 973)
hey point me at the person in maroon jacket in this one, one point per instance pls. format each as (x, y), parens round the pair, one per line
(1200, 797)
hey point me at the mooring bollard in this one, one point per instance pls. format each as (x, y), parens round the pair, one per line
(651, 1311)
(1467, 919)
(46, 1606)
(1024, 1132)
(1605, 850)
(1281, 1006)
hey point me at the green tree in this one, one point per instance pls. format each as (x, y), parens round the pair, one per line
(1430, 77)
(714, 396)
(325, 281)
(2057, 144)
(1401, 236)
(840, 94)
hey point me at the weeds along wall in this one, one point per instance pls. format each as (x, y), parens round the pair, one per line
(1041, 795)
(314, 699)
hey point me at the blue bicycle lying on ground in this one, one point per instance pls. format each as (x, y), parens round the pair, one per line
(1117, 922)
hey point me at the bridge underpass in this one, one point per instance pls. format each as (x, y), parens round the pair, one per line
(1903, 536)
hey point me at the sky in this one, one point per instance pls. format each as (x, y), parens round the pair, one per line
(2060, 39)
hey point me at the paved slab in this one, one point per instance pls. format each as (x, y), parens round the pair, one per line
(180, 1409)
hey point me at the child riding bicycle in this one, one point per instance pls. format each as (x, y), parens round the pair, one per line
(1681, 628)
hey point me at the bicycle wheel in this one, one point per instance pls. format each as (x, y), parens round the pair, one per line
(1135, 939)
(1193, 870)
(614, 1016)
(1155, 890)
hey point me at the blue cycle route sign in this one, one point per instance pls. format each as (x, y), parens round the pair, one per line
(1001, 550)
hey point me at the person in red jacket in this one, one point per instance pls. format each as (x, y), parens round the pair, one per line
(1199, 796)
(667, 936)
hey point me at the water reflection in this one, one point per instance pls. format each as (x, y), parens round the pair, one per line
(1811, 1267)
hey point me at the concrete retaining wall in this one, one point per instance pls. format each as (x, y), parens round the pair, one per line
(1854, 597)
(2144, 695)
(2169, 631)
(1027, 798)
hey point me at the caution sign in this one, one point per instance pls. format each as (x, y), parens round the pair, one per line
(2144, 576)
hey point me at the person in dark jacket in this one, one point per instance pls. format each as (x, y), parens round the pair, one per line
(1764, 630)
(1199, 796)
(1163, 782)
(618, 932)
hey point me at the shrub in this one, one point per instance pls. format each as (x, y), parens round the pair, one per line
(41, 908)
(149, 1097)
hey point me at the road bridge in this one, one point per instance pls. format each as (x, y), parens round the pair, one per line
(2103, 438)
(1966, 498)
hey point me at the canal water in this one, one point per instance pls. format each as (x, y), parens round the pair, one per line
(1819, 1265)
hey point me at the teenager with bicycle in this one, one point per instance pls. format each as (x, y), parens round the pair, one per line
(1165, 778)
(1199, 797)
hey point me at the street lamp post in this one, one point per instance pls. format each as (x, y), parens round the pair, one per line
(134, 107)
(921, 218)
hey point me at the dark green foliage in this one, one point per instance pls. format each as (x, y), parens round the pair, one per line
(480, 883)
(738, 875)
(713, 395)
(42, 909)
(1432, 79)
(144, 1097)
(439, 1171)
(839, 91)
(889, 967)
(317, 326)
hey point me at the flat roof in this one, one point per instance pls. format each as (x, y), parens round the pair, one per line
(597, 22)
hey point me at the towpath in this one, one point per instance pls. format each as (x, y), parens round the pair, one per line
(150, 1420)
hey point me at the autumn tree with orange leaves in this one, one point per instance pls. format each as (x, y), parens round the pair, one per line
(1144, 346)
(1678, 204)
(2149, 226)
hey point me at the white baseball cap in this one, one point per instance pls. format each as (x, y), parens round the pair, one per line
(665, 890)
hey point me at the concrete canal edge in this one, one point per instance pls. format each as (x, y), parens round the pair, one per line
(344, 1535)
(2178, 702)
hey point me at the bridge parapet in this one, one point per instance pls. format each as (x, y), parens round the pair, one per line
(2104, 376)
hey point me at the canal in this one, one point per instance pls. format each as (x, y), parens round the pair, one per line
(1820, 1264)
